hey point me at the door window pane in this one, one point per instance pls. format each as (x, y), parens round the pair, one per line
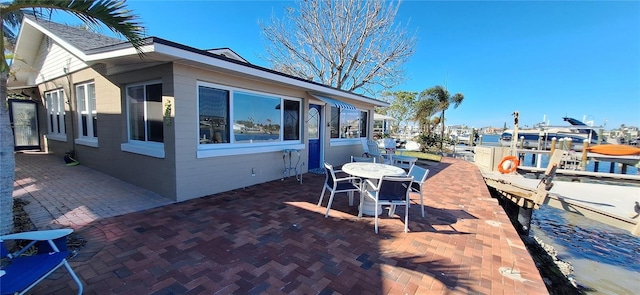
(314, 124)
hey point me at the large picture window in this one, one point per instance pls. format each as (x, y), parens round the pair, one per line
(55, 109)
(235, 117)
(346, 123)
(144, 103)
(87, 115)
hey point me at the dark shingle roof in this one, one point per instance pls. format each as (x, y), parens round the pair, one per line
(80, 38)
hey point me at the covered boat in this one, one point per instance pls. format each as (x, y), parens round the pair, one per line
(615, 150)
(542, 135)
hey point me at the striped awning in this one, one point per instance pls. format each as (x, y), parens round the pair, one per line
(334, 102)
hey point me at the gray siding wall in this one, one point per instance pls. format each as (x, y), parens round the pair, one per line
(155, 174)
(338, 155)
(197, 177)
(55, 146)
(181, 175)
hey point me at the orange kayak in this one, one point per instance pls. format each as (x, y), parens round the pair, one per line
(615, 149)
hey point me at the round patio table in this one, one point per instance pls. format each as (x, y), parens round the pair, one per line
(371, 171)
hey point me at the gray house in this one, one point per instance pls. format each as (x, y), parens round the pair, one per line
(181, 121)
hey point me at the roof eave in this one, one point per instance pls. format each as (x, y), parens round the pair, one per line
(183, 52)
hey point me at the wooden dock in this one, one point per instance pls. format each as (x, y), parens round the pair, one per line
(614, 205)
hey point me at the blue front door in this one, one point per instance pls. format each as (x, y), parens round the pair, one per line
(314, 131)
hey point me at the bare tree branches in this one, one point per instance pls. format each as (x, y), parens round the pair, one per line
(348, 44)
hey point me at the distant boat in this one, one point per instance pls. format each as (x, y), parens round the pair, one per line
(463, 137)
(542, 135)
(411, 146)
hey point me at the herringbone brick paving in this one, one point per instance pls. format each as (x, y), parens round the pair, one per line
(273, 239)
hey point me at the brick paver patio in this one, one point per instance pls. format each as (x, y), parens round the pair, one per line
(273, 239)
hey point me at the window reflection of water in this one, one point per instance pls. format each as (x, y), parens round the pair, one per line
(256, 137)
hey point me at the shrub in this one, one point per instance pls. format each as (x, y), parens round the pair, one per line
(432, 141)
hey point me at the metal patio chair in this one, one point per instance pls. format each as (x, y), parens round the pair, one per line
(392, 191)
(371, 149)
(390, 150)
(337, 185)
(419, 177)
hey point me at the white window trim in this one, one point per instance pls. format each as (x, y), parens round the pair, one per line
(151, 149)
(61, 135)
(253, 149)
(147, 148)
(345, 141)
(229, 149)
(91, 141)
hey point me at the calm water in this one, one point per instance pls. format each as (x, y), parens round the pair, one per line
(488, 139)
(606, 260)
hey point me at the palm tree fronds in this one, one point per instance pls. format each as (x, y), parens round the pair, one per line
(114, 14)
(443, 99)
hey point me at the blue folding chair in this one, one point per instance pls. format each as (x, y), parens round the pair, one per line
(24, 272)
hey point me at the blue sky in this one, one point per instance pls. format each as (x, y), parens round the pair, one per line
(567, 58)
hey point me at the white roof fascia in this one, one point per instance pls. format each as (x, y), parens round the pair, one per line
(120, 53)
(20, 33)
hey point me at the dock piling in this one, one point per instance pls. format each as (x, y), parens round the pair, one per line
(585, 152)
(533, 160)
